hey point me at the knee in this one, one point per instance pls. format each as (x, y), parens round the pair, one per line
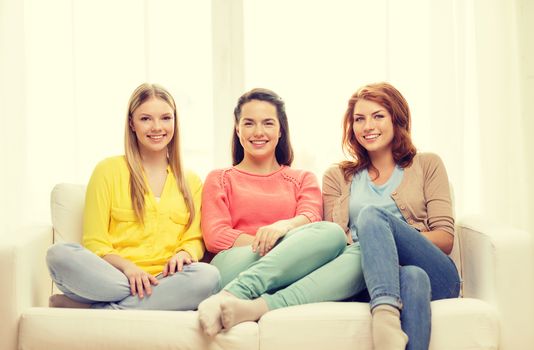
(208, 279)
(59, 254)
(415, 279)
(331, 233)
(368, 215)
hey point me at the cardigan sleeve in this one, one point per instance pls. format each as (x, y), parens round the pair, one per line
(331, 192)
(437, 195)
(309, 200)
(191, 240)
(217, 228)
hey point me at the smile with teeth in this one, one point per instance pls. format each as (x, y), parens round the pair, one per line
(371, 136)
(258, 142)
(156, 137)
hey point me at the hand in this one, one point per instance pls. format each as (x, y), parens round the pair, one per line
(140, 280)
(266, 236)
(177, 262)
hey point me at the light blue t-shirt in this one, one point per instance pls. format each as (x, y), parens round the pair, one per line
(364, 192)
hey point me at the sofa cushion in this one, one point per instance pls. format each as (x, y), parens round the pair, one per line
(459, 324)
(72, 329)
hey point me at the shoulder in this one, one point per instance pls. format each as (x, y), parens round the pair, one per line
(192, 179)
(428, 161)
(335, 174)
(218, 176)
(111, 166)
(298, 176)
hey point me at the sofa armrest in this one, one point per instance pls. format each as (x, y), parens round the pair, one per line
(498, 267)
(26, 281)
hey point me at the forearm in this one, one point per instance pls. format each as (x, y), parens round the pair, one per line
(243, 239)
(295, 222)
(441, 239)
(118, 262)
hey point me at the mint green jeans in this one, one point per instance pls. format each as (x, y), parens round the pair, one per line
(310, 264)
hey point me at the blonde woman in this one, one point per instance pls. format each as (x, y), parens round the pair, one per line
(141, 228)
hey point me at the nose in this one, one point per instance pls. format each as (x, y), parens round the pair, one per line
(156, 125)
(369, 124)
(258, 130)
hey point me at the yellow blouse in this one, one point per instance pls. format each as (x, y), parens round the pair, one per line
(110, 225)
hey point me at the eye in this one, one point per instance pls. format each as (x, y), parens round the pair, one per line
(269, 123)
(247, 123)
(357, 119)
(167, 117)
(144, 118)
(379, 116)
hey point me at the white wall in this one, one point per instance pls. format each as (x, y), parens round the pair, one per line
(68, 67)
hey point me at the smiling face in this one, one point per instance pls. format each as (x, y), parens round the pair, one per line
(258, 130)
(153, 124)
(372, 127)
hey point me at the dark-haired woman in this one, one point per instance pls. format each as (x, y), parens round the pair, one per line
(396, 204)
(262, 219)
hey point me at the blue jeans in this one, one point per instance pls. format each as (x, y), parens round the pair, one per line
(84, 277)
(404, 269)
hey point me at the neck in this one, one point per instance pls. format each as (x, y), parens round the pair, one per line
(383, 162)
(154, 160)
(258, 166)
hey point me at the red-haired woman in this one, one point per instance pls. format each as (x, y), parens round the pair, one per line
(396, 204)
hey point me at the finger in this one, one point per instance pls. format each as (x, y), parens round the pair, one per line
(188, 261)
(165, 270)
(180, 265)
(255, 244)
(132, 285)
(262, 244)
(272, 241)
(140, 291)
(147, 285)
(153, 280)
(172, 266)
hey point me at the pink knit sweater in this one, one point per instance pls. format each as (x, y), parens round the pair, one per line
(236, 202)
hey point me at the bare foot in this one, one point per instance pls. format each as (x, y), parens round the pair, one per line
(209, 314)
(60, 300)
(234, 310)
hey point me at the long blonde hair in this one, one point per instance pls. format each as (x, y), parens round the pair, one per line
(138, 187)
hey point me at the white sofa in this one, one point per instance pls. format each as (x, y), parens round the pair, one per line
(496, 311)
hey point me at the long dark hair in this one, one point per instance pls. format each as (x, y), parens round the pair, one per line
(283, 151)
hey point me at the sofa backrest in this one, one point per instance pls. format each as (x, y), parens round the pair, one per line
(66, 205)
(67, 202)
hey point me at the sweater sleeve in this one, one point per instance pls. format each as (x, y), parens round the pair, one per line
(96, 215)
(309, 199)
(331, 192)
(216, 217)
(191, 240)
(438, 195)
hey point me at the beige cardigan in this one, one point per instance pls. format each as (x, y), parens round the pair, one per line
(423, 197)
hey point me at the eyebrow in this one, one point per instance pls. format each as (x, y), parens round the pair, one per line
(263, 120)
(375, 112)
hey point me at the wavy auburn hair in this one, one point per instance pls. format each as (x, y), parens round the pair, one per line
(392, 100)
(283, 150)
(138, 187)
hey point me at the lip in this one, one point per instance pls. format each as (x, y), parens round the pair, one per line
(258, 143)
(156, 138)
(371, 137)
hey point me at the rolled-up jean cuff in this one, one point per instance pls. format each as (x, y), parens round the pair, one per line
(386, 300)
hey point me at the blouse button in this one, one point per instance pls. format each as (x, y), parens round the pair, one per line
(394, 193)
(403, 207)
(410, 221)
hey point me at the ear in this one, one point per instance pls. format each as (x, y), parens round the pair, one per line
(237, 130)
(130, 122)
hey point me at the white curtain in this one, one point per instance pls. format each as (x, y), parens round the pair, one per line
(67, 68)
